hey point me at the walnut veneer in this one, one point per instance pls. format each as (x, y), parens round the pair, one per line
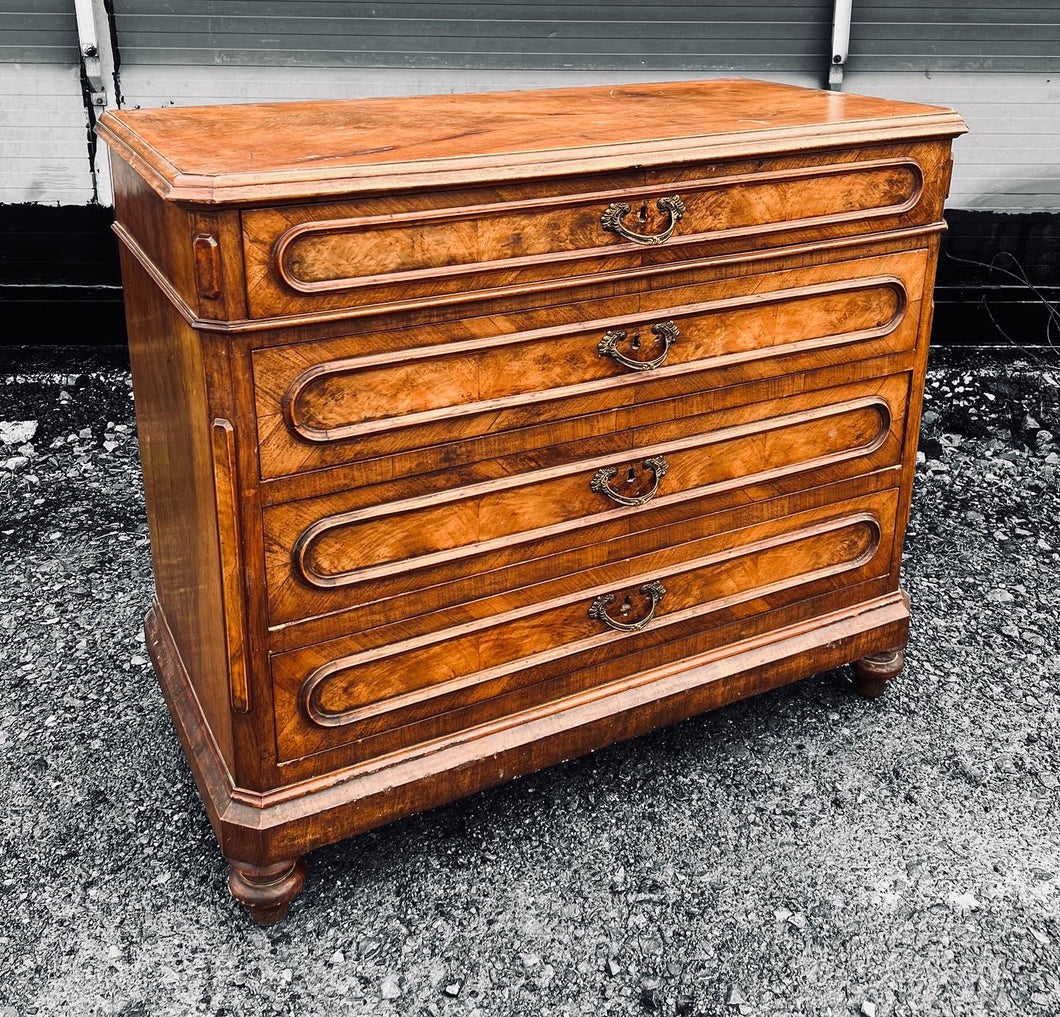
(482, 431)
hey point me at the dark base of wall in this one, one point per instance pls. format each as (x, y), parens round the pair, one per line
(998, 280)
(60, 281)
(63, 315)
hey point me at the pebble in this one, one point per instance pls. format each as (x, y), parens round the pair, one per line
(964, 902)
(736, 997)
(17, 432)
(651, 994)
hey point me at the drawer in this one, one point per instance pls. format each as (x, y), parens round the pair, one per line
(331, 402)
(330, 694)
(319, 256)
(349, 550)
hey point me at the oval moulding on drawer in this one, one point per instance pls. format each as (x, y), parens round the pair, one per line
(325, 697)
(301, 258)
(329, 402)
(337, 553)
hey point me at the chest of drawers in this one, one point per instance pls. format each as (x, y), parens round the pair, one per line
(482, 431)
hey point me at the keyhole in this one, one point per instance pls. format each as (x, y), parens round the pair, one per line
(634, 343)
(631, 476)
(627, 606)
(642, 215)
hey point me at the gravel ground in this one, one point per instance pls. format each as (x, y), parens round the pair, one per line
(805, 852)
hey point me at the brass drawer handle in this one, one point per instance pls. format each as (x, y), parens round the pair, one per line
(611, 220)
(601, 482)
(654, 592)
(608, 346)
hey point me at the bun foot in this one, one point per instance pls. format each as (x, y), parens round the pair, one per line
(266, 890)
(871, 674)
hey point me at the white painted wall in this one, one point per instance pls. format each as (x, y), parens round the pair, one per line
(160, 85)
(43, 139)
(1010, 159)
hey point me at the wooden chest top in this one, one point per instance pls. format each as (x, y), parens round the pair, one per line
(298, 151)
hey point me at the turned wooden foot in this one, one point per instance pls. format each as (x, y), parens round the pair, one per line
(871, 674)
(266, 890)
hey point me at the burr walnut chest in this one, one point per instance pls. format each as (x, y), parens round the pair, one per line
(481, 431)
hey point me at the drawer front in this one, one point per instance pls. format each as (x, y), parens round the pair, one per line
(330, 402)
(346, 550)
(326, 695)
(346, 254)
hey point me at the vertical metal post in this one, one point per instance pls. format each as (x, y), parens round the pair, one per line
(840, 43)
(94, 38)
(88, 42)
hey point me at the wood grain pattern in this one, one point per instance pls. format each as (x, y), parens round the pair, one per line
(446, 482)
(222, 436)
(326, 697)
(598, 432)
(319, 256)
(356, 688)
(342, 548)
(303, 258)
(333, 401)
(350, 397)
(157, 227)
(491, 583)
(364, 551)
(177, 461)
(282, 329)
(217, 154)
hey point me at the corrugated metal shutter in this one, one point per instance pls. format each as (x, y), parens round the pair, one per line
(973, 35)
(629, 35)
(38, 32)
